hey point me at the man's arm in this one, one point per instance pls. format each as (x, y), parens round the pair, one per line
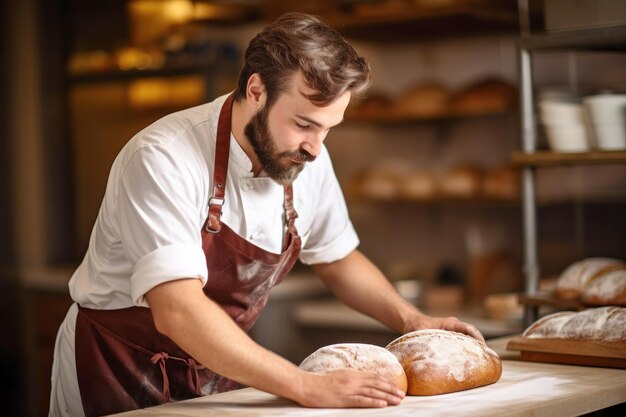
(361, 285)
(182, 312)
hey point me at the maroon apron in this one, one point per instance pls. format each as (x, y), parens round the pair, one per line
(124, 363)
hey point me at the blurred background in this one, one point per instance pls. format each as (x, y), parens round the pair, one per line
(425, 160)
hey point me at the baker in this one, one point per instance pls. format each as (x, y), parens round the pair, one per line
(204, 212)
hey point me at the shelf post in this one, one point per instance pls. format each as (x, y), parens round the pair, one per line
(529, 206)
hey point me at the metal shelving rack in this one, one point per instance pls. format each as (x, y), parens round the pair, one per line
(601, 39)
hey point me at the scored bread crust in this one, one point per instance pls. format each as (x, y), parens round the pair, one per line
(608, 289)
(548, 326)
(603, 324)
(576, 276)
(442, 361)
(358, 357)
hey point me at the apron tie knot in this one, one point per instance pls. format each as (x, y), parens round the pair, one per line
(193, 375)
(161, 358)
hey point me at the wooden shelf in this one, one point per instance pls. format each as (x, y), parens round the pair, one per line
(397, 118)
(119, 75)
(547, 158)
(548, 299)
(567, 351)
(395, 21)
(606, 38)
(481, 202)
(485, 202)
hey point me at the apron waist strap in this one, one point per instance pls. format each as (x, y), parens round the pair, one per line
(159, 358)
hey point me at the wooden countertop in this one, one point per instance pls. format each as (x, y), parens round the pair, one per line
(525, 389)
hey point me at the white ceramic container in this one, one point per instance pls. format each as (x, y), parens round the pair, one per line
(608, 120)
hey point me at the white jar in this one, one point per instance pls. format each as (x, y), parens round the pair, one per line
(608, 120)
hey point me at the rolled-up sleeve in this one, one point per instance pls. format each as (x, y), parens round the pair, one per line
(159, 220)
(165, 264)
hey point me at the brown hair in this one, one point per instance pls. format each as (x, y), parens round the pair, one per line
(301, 42)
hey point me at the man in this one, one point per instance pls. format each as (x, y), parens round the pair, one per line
(206, 210)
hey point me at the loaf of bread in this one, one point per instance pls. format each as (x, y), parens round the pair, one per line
(488, 95)
(576, 276)
(358, 357)
(423, 100)
(380, 184)
(441, 361)
(418, 185)
(502, 183)
(461, 182)
(607, 324)
(608, 289)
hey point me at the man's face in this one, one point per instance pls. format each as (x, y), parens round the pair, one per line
(290, 132)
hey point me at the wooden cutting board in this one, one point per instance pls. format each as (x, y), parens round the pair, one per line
(574, 352)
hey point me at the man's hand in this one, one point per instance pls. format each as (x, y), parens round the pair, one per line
(346, 388)
(447, 323)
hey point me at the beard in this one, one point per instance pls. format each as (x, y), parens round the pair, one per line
(282, 167)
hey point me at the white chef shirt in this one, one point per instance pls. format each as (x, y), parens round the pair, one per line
(148, 228)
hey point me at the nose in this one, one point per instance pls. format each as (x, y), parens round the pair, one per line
(313, 144)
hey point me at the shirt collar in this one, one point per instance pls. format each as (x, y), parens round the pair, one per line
(238, 156)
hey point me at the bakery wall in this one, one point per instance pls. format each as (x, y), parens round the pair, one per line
(438, 234)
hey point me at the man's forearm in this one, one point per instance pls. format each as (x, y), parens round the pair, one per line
(361, 285)
(207, 333)
(358, 283)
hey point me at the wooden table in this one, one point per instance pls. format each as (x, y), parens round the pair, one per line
(525, 389)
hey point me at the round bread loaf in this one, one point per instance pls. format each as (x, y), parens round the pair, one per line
(442, 361)
(574, 278)
(419, 185)
(606, 324)
(358, 357)
(423, 100)
(463, 182)
(606, 290)
(502, 183)
(488, 95)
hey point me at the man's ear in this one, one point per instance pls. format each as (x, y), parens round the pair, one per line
(255, 91)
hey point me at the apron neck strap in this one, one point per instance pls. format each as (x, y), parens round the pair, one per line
(290, 212)
(222, 149)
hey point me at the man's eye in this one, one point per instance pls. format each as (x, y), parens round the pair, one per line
(301, 126)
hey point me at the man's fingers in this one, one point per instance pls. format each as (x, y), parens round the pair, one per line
(452, 323)
(381, 395)
(366, 402)
(474, 332)
(384, 389)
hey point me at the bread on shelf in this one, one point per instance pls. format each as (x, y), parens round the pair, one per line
(419, 185)
(374, 106)
(606, 324)
(502, 183)
(484, 96)
(462, 182)
(428, 99)
(575, 277)
(607, 289)
(442, 361)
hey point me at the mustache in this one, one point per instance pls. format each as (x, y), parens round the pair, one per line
(299, 155)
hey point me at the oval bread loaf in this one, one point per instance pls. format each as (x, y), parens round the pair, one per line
(605, 324)
(606, 290)
(576, 276)
(442, 361)
(358, 357)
